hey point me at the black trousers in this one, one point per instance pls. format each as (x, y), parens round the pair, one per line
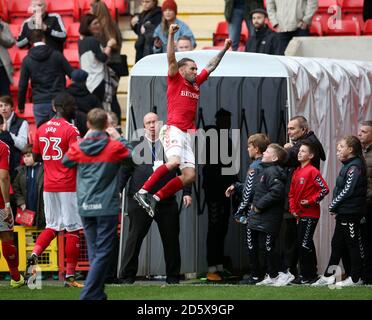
(4, 82)
(218, 224)
(168, 222)
(347, 234)
(288, 246)
(306, 248)
(257, 242)
(286, 37)
(366, 231)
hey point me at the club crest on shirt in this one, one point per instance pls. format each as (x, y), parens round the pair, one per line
(302, 180)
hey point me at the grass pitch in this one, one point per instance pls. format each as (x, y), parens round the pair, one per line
(159, 291)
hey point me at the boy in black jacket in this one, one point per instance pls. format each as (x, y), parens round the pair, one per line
(265, 217)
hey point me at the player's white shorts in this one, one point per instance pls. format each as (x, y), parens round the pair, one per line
(8, 224)
(177, 143)
(61, 211)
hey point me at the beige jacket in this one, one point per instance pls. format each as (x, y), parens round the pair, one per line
(6, 41)
(288, 14)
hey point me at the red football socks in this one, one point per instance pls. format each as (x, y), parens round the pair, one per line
(155, 177)
(170, 188)
(72, 252)
(11, 256)
(44, 240)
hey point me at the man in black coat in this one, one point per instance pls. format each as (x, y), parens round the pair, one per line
(298, 132)
(166, 211)
(367, 10)
(263, 40)
(47, 70)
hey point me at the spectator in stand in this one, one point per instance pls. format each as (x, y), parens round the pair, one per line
(93, 58)
(47, 70)
(29, 186)
(169, 8)
(144, 25)
(184, 44)
(114, 121)
(6, 68)
(263, 40)
(110, 30)
(365, 137)
(237, 11)
(367, 10)
(50, 23)
(17, 129)
(85, 101)
(291, 18)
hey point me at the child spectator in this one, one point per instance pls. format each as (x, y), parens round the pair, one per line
(265, 216)
(308, 188)
(348, 205)
(169, 8)
(29, 185)
(257, 144)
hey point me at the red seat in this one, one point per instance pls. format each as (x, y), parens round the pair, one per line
(15, 29)
(18, 8)
(14, 85)
(352, 6)
(368, 28)
(85, 6)
(346, 28)
(324, 19)
(122, 6)
(356, 17)
(3, 10)
(31, 132)
(222, 33)
(324, 5)
(64, 8)
(28, 114)
(316, 28)
(73, 32)
(72, 56)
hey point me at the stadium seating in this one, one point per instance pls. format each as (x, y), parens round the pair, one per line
(72, 55)
(316, 28)
(368, 28)
(64, 8)
(346, 28)
(18, 9)
(72, 35)
(15, 29)
(222, 33)
(3, 10)
(323, 5)
(351, 6)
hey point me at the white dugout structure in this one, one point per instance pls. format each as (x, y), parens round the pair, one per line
(262, 92)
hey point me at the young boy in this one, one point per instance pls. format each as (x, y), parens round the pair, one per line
(308, 188)
(265, 217)
(29, 185)
(257, 144)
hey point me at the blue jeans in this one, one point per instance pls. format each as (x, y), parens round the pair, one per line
(99, 234)
(42, 113)
(235, 27)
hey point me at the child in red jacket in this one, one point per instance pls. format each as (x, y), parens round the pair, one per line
(308, 188)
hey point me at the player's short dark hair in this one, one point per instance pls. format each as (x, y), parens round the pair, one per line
(7, 100)
(63, 100)
(184, 61)
(259, 141)
(36, 36)
(97, 118)
(85, 22)
(280, 152)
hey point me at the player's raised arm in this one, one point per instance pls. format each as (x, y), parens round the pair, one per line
(172, 62)
(212, 65)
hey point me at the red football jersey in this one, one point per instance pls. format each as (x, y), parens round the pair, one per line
(183, 98)
(4, 164)
(52, 141)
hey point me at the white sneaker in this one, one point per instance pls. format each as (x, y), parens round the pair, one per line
(284, 279)
(348, 282)
(324, 281)
(267, 281)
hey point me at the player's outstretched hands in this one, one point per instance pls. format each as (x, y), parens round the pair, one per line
(228, 44)
(173, 28)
